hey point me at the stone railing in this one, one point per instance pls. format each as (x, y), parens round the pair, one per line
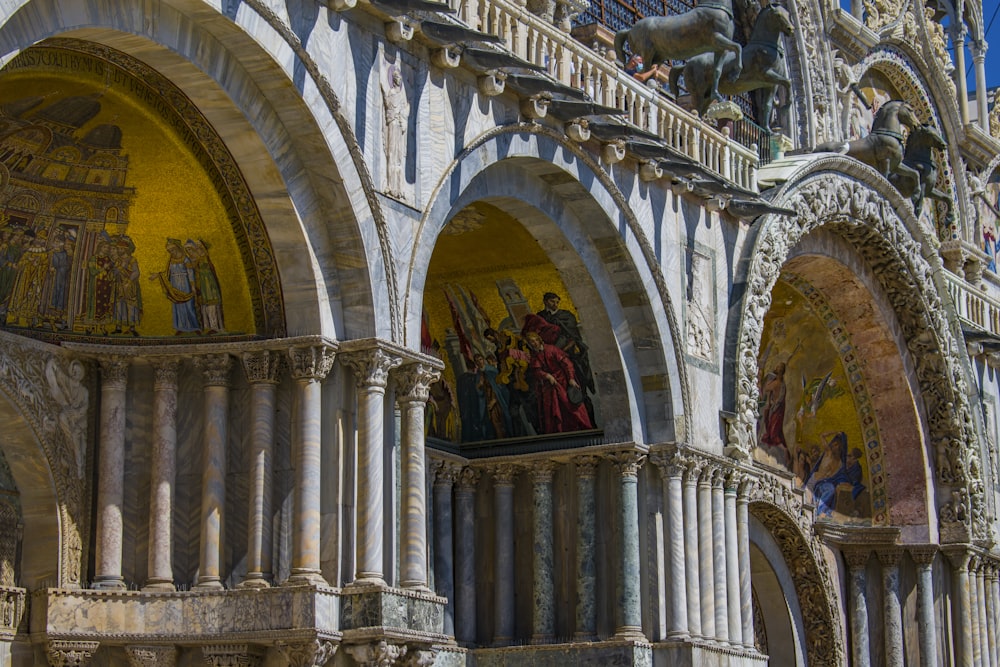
(973, 306)
(13, 602)
(577, 65)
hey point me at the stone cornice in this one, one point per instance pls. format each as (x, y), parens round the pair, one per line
(871, 537)
(194, 349)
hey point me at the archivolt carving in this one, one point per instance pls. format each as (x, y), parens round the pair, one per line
(23, 368)
(810, 47)
(838, 200)
(790, 523)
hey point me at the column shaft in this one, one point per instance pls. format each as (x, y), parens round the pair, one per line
(676, 576)
(444, 573)
(162, 476)
(982, 93)
(213, 474)
(503, 594)
(586, 568)
(263, 388)
(743, 539)
(990, 617)
(629, 622)
(857, 598)
(719, 551)
(111, 475)
(925, 607)
(984, 645)
(706, 550)
(692, 562)
(958, 41)
(892, 609)
(733, 563)
(961, 627)
(465, 557)
(977, 646)
(544, 613)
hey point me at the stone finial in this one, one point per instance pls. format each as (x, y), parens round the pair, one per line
(311, 362)
(413, 382)
(371, 367)
(310, 653)
(66, 653)
(262, 367)
(151, 656)
(215, 369)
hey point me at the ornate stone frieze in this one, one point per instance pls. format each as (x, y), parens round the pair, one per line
(809, 51)
(233, 655)
(311, 362)
(214, 369)
(869, 221)
(371, 367)
(413, 381)
(262, 366)
(882, 13)
(311, 653)
(151, 656)
(63, 653)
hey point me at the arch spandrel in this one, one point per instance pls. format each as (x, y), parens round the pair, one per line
(849, 200)
(579, 222)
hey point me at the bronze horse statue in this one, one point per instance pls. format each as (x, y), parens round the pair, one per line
(708, 28)
(882, 148)
(919, 157)
(763, 67)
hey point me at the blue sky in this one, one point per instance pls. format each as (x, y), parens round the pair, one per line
(993, 40)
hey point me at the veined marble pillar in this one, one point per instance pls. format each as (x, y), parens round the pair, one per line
(111, 474)
(719, 551)
(892, 609)
(857, 599)
(743, 546)
(706, 550)
(692, 562)
(734, 601)
(465, 556)
(162, 475)
(543, 628)
(982, 93)
(984, 645)
(586, 568)
(413, 383)
(445, 474)
(261, 369)
(672, 472)
(927, 628)
(958, 41)
(962, 602)
(309, 365)
(629, 622)
(977, 646)
(503, 579)
(215, 376)
(989, 578)
(371, 369)
(992, 590)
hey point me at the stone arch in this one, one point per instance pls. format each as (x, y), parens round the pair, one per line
(345, 278)
(598, 227)
(789, 524)
(850, 200)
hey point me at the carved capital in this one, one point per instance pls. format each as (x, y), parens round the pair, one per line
(889, 557)
(586, 466)
(233, 655)
(262, 367)
(627, 462)
(214, 369)
(165, 372)
(151, 656)
(114, 372)
(669, 465)
(419, 657)
(468, 480)
(314, 653)
(413, 382)
(311, 362)
(959, 559)
(708, 472)
(371, 367)
(923, 555)
(542, 471)
(856, 557)
(446, 473)
(64, 653)
(376, 654)
(504, 473)
(693, 472)
(735, 479)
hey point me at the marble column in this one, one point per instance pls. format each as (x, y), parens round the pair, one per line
(371, 369)
(958, 42)
(962, 606)
(162, 475)
(586, 531)
(734, 601)
(857, 600)
(445, 474)
(111, 474)
(743, 546)
(673, 500)
(926, 625)
(989, 580)
(993, 590)
(215, 379)
(706, 550)
(262, 370)
(629, 621)
(984, 644)
(982, 92)
(892, 608)
(413, 383)
(719, 551)
(977, 646)
(465, 556)
(503, 577)
(692, 562)
(543, 628)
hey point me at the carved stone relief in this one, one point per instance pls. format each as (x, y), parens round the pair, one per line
(700, 307)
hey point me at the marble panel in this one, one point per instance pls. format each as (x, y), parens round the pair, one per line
(388, 608)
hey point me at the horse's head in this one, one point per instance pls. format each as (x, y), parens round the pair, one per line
(928, 135)
(906, 115)
(778, 18)
(893, 113)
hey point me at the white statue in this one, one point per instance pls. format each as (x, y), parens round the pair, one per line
(72, 396)
(397, 118)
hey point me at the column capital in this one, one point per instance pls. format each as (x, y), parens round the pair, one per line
(114, 371)
(262, 367)
(959, 558)
(68, 653)
(377, 653)
(627, 462)
(310, 653)
(671, 465)
(694, 467)
(504, 473)
(923, 555)
(233, 655)
(707, 473)
(735, 479)
(413, 382)
(719, 477)
(586, 466)
(856, 557)
(979, 47)
(445, 472)
(889, 556)
(151, 656)
(165, 372)
(371, 367)
(214, 369)
(468, 479)
(975, 560)
(311, 362)
(542, 471)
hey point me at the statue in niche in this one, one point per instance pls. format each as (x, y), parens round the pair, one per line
(397, 118)
(67, 389)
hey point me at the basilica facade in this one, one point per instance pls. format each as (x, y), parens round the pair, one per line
(410, 332)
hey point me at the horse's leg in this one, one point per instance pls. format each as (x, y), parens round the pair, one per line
(722, 45)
